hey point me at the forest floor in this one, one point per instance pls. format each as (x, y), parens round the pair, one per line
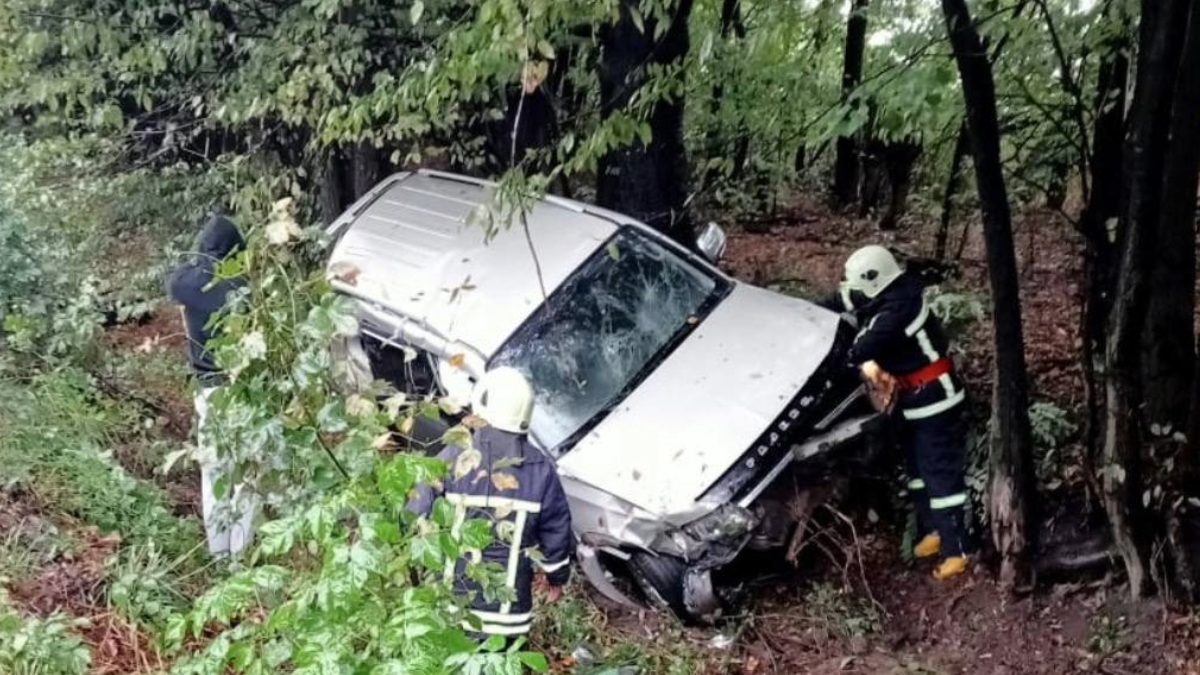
(876, 614)
(887, 616)
(868, 611)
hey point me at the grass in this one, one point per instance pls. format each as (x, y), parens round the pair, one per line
(57, 443)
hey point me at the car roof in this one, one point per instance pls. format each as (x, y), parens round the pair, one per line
(420, 247)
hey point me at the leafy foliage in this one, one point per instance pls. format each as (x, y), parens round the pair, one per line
(345, 579)
(32, 646)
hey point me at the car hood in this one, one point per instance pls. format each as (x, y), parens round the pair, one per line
(703, 407)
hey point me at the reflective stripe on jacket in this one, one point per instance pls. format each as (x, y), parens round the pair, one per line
(900, 333)
(516, 488)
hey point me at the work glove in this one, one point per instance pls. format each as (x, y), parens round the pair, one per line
(881, 387)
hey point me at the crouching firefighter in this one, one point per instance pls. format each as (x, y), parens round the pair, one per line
(504, 479)
(901, 348)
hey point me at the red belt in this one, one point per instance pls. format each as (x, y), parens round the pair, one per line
(925, 376)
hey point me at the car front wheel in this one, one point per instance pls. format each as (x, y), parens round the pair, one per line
(670, 583)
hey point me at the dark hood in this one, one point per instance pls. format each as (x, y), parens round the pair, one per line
(191, 285)
(218, 239)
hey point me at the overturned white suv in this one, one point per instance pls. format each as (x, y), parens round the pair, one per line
(671, 397)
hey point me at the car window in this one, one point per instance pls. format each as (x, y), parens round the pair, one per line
(605, 328)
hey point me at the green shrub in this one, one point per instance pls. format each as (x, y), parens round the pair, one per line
(32, 646)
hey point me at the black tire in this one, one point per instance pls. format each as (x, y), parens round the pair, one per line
(661, 579)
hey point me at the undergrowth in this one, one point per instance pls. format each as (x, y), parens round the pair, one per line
(33, 646)
(58, 438)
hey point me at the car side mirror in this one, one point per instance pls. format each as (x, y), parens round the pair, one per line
(712, 242)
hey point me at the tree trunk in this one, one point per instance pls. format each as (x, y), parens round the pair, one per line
(365, 169)
(1098, 222)
(646, 181)
(1160, 37)
(845, 168)
(899, 157)
(1181, 178)
(871, 170)
(962, 145)
(335, 186)
(1010, 459)
(1169, 335)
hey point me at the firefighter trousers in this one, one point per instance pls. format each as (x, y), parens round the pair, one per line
(935, 449)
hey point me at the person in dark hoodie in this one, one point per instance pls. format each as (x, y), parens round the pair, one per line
(228, 522)
(507, 481)
(902, 348)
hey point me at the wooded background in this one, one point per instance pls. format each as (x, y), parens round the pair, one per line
(921, 117)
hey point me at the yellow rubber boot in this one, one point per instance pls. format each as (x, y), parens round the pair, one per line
(950, 567)
(929, 546)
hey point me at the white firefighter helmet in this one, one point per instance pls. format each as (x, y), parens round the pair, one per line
(869, 270)
(504, 399)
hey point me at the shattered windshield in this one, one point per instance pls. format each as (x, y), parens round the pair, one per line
(605, 328)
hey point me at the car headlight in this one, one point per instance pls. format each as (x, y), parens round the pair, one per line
(729, 522)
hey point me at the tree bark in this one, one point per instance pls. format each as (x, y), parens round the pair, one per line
(1169, 335)
(336, 186)
(1160, 37)
(846, 165)
(899, 159)
(365, 169)
(1181, 179)
(646, 181)
(962, 146)
(1011, 488)
(1098, 223)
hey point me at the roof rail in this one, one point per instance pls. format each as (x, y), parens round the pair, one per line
(457, 178)
(363, 202)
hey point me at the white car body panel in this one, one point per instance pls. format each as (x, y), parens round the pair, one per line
(704, 406)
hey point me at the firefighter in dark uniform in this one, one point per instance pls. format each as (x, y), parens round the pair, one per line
(901, 348)
(521, 495)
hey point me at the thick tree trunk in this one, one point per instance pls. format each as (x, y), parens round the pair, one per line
(1098, 223)
(1160, 38)
(1181, 179)
(962, 146)
(365, 169)
(336, 186)
(871, 179)
(1169, 335)
(646, 181)
(846, 165)
(1010, 460)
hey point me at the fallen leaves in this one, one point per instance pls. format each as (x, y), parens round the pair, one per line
(533, 75)
(346, 272)
(505, 481)
(466, 462)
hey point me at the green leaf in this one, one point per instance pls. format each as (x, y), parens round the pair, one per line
(417, 11)
(534, 661)
(636, 16)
